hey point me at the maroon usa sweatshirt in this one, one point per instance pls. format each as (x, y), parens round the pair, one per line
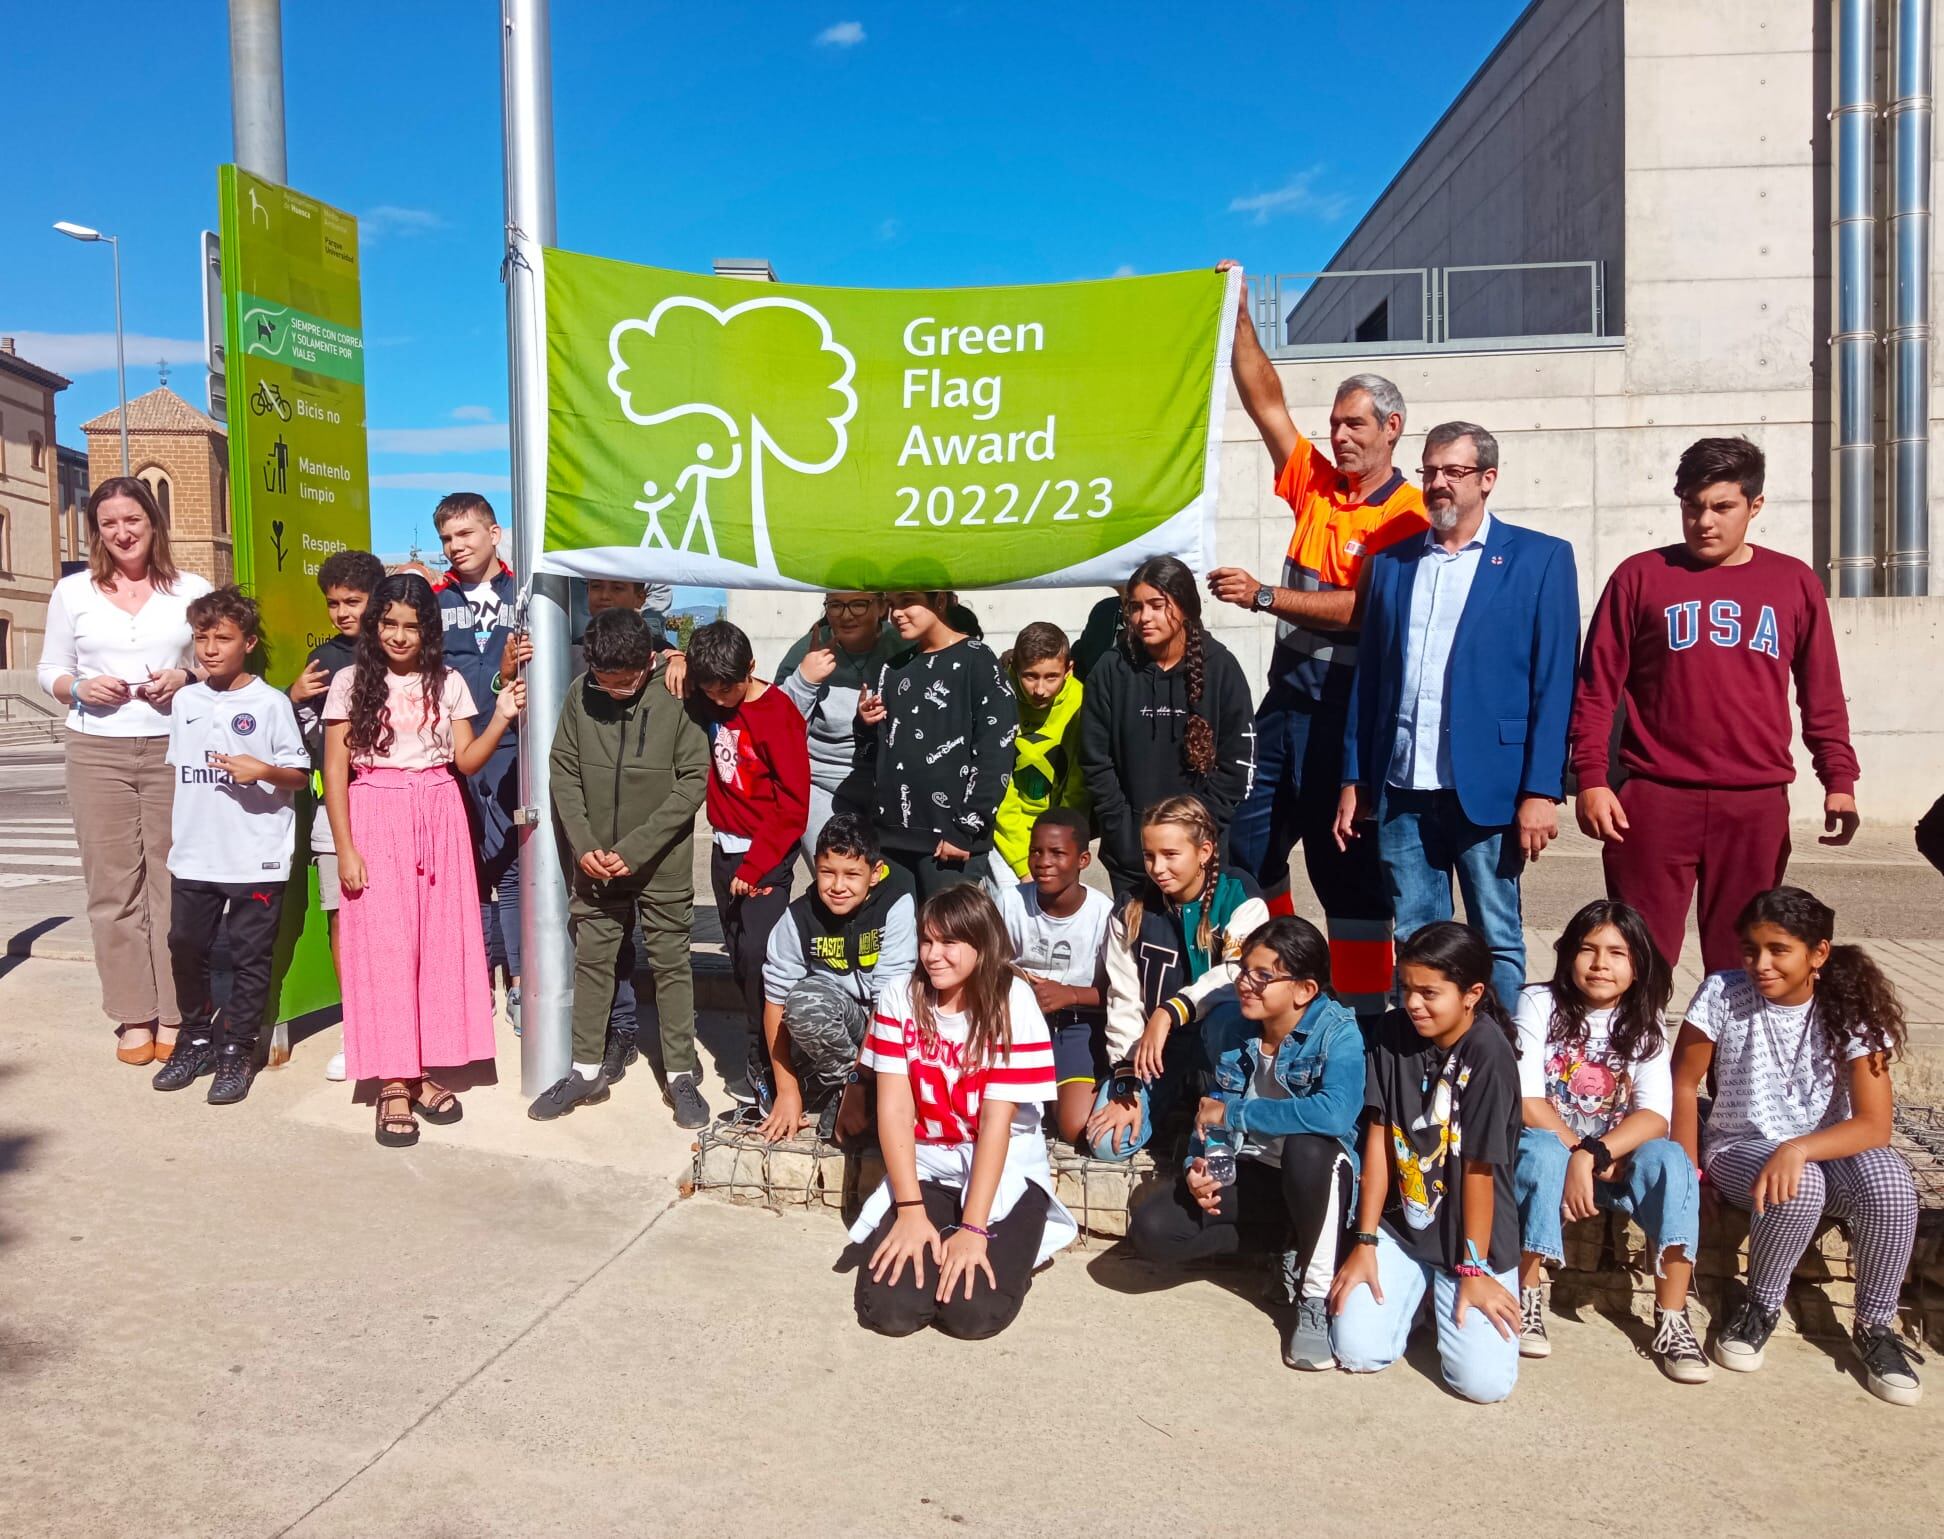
(1702, 657)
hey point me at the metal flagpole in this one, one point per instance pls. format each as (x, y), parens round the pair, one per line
(547, 962)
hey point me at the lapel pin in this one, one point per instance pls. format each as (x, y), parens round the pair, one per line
(1498, 561)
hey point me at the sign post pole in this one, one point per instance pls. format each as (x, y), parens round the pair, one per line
(547, 965)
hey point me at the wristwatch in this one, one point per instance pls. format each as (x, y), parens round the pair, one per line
(1265, 599)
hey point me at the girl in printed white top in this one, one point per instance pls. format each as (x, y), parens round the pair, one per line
(1597, 1095)
(963, 1060)
(1800, 1042)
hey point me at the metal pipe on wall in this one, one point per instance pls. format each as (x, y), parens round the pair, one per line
(1855, 343)
(1910, 330)
(547, 963)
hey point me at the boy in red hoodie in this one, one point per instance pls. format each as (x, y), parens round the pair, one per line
(1700, 640)
(759, 802)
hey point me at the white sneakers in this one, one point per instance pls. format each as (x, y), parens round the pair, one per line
(334, 1070)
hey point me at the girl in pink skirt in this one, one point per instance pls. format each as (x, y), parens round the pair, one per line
(411, 960)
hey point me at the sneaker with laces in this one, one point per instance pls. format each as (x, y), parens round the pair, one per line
(1888, 1372)
(621, 1051)
(235, 1069)
(1744, 1339)
(513, 1009)
(189, 1062)
(334, 1070)
(1533, 1341)
(1306, 1340)
(566, 1093)
(1677, 1349)
(685, 1096)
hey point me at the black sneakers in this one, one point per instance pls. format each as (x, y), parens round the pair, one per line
(1887, 1369)
(235, 1068)
(189, 1063)
(1676, 1350)
(1533, 1341)
(566, 1093)
(685, 1096)
(621, 1051)
(1744, 1338)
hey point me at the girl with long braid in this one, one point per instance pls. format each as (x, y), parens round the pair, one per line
(1172, 946)
(1166, 713)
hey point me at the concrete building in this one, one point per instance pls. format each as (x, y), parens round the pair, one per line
(72, 470)
(1686, 153)
(183, 456)
(29, 504)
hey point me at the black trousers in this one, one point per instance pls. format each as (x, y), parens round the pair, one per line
(255, 912)
(1266, 1209)
(905, 1307)
(746, 925)
(933, 875)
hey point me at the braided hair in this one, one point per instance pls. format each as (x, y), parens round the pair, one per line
(1171, 578)
(1190, 813)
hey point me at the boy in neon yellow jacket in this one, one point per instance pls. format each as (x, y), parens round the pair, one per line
(1046, 767)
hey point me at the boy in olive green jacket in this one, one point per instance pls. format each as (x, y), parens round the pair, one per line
(630, 769)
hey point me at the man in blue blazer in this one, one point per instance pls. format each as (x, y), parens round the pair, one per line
(1456, 736)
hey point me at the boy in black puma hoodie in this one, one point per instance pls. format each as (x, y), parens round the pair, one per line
(830, 954)
(945, 721)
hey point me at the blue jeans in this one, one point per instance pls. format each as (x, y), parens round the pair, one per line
(1182, 1076)
(1425, 839)
(1657, 1186)
(1367, 1336)
(499, 918)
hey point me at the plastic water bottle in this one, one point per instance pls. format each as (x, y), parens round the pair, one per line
(1220, 1145)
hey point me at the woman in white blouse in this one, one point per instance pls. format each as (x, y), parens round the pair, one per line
(117, 650)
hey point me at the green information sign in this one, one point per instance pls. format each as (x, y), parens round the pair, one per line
(299, 489)
(714, 431)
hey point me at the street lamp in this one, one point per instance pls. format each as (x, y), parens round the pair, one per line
(82, 232)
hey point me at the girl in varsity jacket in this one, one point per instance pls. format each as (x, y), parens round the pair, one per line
(1170, 949)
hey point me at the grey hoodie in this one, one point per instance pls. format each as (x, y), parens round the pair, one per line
(839, 757)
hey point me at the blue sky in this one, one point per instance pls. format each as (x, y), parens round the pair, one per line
(849, 144)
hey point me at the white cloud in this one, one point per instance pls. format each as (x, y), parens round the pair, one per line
(469, 438)
(1298, 195)
(845, 34)
(90, 352)
(472, 414)
(436, 481)
(1125, 270)
(392, 219)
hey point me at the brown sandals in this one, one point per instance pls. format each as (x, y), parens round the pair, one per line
(396, 1129)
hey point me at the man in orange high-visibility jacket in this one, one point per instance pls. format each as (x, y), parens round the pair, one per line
(1349, 504)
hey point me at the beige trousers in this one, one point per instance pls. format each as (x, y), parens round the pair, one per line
(122, 792)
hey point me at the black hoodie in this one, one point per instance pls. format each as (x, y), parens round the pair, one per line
(1131, 726)
(336, 653)
(944, 748)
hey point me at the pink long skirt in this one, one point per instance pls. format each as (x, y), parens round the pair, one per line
(412, 957)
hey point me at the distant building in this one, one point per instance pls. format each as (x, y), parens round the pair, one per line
(72, 469)
(183, 456)
(29, 504)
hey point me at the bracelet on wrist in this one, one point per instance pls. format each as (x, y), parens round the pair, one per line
(1593, 1145)
(984, 1234)
(915, 1202)
(1362, 1237)
(1468, 1269)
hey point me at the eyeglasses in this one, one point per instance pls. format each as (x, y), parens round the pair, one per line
(1258, 979)
(850, 608)
(1452, 473)
(621, 691)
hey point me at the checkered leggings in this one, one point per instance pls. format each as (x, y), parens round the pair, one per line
(1872, 1192)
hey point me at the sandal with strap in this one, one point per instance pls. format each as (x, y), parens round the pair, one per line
(396, 1130)
(437, 1105)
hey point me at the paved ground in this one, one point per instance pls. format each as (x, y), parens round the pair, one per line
(253, 1321)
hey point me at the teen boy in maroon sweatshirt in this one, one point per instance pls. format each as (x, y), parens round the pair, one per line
(759, 801)
(1700, 640)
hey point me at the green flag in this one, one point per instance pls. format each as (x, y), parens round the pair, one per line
(725, 433)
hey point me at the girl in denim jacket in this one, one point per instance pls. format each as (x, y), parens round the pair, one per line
(1288, 1067)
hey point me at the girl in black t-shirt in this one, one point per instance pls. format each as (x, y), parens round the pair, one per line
(1436, 1208)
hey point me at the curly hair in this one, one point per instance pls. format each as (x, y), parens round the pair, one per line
(966, 914)
(230, 604)
(1191, 813)
(371, 729)
(1638, 1030)
(1854, 1001)
(1171, 579)
(356, 571)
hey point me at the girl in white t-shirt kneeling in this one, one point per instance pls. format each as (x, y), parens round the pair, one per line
(1596, 1093)
(1800, 1041)
(963, 1060)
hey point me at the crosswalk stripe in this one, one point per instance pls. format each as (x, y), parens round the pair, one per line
(7, 858)
(7, 845)
(35, 822)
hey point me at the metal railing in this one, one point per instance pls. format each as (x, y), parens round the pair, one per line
(1278, 303)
